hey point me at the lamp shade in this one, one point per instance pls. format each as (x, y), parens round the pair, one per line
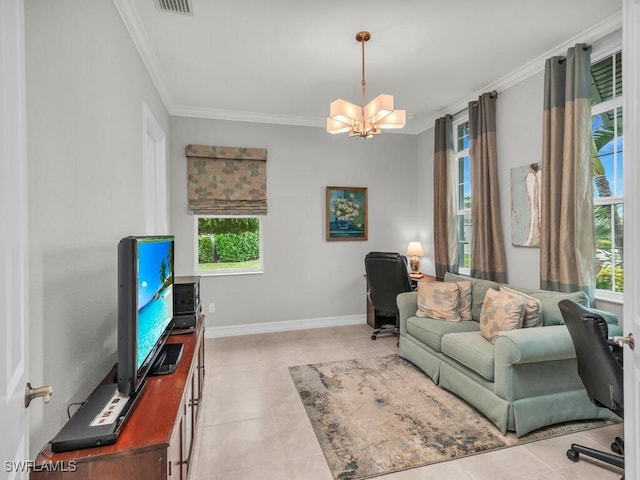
(415, 248)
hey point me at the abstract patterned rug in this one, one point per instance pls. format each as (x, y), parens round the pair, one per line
(381, 415)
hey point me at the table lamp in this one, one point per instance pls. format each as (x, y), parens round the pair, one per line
(415, 251)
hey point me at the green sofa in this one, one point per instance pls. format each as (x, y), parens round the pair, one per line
(526, 380)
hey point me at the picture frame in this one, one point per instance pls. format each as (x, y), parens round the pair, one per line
(526, 198)
(346, 214)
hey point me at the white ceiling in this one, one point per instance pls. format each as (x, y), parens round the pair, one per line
(284, 61)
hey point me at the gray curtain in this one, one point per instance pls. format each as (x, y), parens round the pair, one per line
(487, 247)
(445, 234)
(567, 243)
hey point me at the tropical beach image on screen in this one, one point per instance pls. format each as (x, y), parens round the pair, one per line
(155, 294)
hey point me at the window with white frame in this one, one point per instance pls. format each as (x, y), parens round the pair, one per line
(463, 176)
(228, 244)
(607, 131)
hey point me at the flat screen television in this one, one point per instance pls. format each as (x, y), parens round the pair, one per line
(145, 306)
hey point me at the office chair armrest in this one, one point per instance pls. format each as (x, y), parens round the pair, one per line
(616, 350)
(609, 317)
(407, 305)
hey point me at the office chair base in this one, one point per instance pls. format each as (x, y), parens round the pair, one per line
(574, 452)
(618, 446)
(385, 329)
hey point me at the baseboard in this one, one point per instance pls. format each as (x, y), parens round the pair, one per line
(271, 327)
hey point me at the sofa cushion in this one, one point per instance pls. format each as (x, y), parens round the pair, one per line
(549, 302)
(532, 307)
(430, 331)
(500, 313)
(471, 350)
(439, 300)
(479, 289)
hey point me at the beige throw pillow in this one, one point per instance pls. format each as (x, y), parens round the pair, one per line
(439, 300)
(532, 307)
(465, 300)
(500, 313)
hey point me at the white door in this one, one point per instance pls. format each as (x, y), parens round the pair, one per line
(631, 313)
(154, 175)
(14, 440)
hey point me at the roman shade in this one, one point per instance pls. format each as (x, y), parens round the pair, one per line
(226, 180)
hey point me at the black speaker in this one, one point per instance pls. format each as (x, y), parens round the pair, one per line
(186, 301)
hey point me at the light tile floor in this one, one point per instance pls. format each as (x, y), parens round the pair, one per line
(253, 425)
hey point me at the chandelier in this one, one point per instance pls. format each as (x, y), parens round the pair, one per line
(370, 118)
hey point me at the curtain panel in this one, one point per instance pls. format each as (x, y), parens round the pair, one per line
(567, 243)
(226, 180)
(487, 246)
(445, 233)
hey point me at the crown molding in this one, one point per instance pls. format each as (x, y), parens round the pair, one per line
(419, 123)
(140, 40)
(242, 116)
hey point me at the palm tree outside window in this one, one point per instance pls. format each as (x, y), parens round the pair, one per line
(607, 131)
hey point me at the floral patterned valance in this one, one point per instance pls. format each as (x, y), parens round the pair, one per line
(226, 180)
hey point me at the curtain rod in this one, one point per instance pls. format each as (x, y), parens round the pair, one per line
(493, 94)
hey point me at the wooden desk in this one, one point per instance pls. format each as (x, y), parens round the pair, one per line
(156, 442)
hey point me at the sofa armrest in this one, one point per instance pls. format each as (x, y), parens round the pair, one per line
(537, 344)
(407, 306)
(538, 351)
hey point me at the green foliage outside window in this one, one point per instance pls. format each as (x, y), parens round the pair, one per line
(231, 247)
(205, 249)
(228, 243)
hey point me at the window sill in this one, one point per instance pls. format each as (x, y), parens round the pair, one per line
(610, 297)
(226, 273)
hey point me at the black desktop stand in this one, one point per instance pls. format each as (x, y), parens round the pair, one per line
(167, 360)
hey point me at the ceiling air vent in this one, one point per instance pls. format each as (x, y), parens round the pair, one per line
(175, 6)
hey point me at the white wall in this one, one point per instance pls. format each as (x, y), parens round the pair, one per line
(305, 277)
(85, 88)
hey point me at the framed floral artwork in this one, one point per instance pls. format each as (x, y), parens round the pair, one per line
(346, 213)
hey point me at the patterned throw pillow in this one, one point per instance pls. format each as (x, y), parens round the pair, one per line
(465, 300)
(500, 313)
(532, 307)
(439, 300)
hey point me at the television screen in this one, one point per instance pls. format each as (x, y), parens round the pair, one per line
(145, 306)
(155, 293)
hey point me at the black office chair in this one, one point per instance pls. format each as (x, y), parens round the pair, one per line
(387, 276)
(600, 369)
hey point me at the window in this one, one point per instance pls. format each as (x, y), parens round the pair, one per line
(606, 127)
(228, 245)
(463, 174)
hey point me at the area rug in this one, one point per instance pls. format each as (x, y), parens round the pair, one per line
(381, 415)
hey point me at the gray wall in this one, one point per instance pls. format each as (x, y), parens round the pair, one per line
(85, 88)
(305, 277)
